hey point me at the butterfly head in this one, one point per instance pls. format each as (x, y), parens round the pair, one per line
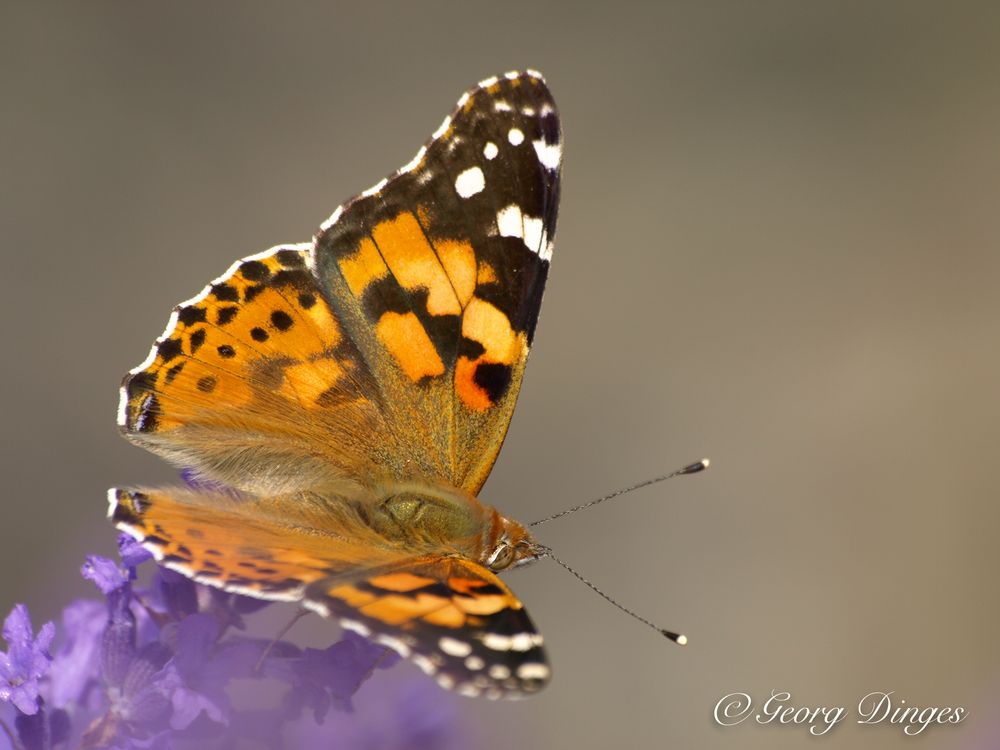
(514, 546)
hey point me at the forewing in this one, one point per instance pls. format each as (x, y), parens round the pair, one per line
(437, 273)
(394, 347)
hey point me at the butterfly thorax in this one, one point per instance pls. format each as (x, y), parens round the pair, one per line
(445, 516)
(412, 513)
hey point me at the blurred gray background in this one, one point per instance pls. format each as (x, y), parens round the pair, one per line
(777, 248)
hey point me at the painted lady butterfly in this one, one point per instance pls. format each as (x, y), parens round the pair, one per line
(343, 401)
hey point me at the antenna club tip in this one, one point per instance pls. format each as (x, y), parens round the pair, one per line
(695, 467)
(679, 638)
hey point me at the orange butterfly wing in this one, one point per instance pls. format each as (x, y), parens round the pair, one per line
(394, 346)
(451, 616)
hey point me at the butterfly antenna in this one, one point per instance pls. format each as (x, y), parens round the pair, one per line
(689, 469)
(677, 638)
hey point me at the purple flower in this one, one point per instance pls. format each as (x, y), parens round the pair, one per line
(409, 714)
(132, 553)
(104, 573)
(344, 666)
(173, 595)
(26, 661)
(75, 665)
(138, 704)
(42, 730)
(200, 671)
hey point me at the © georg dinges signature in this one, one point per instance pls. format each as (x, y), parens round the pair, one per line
(877, 707)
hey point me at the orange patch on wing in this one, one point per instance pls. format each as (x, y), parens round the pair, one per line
(485, 274)
(465, 585)
(363, 268)
(484, 605)
(489, 326)
(395, 610)
(352, 596)
(486, 324)
(465, 385)
(414, 263)
(307, 381)
(409, 344)
(459, 260)
(400, 582)
(446, 617)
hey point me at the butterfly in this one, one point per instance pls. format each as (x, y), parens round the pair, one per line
(341, 403)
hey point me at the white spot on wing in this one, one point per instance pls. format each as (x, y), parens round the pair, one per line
(122, 407)
(502, 106)
(499, 671)
(425, 664)
(509, 221)
(532, 233)
(512, 223)
(517, 642)
(321, 609)
(490, 150)
(487, 82)
(112, 501)
(523, 641)
(533, 671)
(515, 136)
(474, 663)
(496, 642)
(395, 644)
(548, 154)
(470, 182)
(454, 647)
(356, 627)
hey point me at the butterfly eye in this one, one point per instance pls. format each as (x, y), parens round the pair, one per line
(501, 558)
